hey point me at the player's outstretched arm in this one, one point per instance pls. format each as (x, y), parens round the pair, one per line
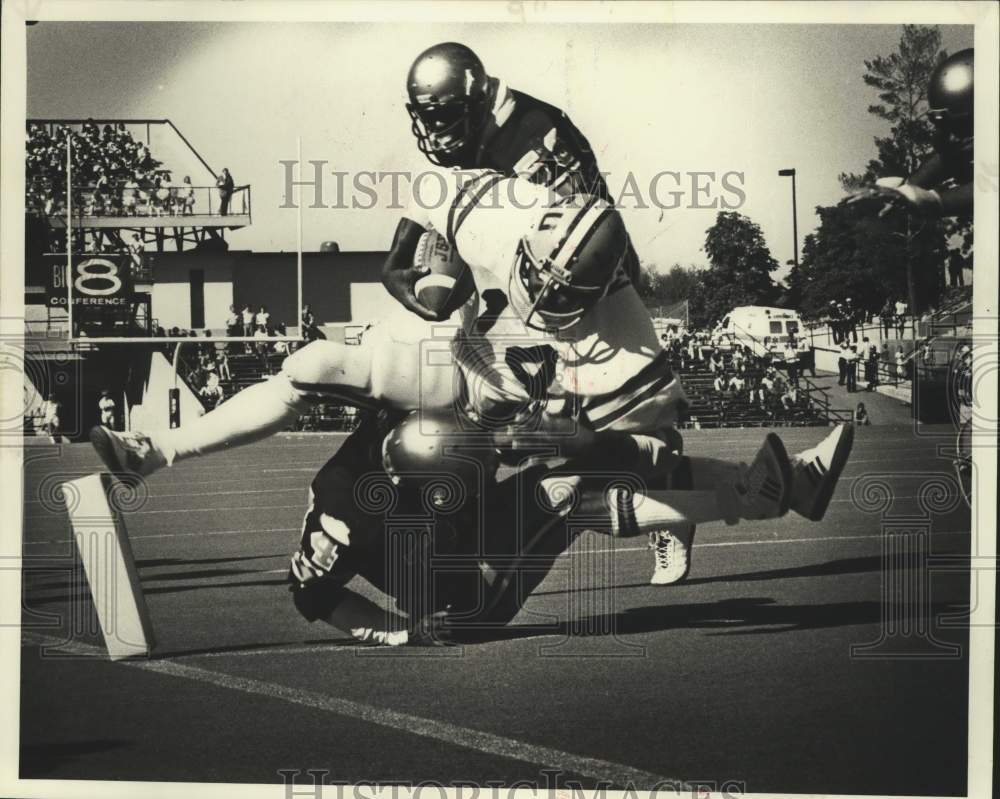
(399, 275)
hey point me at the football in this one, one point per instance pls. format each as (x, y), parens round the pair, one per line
(448, 282)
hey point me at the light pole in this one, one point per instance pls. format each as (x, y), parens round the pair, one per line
(790, 173)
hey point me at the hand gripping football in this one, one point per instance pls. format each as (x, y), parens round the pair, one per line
(448, 282)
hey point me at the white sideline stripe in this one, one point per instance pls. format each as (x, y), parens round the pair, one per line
(206, 533)
(873, 536)
(298, 488)
(617, 774)
(66, 541)
(28, 517)
(132, 513)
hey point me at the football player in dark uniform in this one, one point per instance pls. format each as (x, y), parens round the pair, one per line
(942, 186)
(388, 505)
(466, 119)
(410, 516)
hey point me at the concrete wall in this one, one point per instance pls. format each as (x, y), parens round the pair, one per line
(341, 287)
(171, 294)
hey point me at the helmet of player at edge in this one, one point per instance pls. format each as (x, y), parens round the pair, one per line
(428, 446)
(950, 94)
(449, 103)
(566, 262)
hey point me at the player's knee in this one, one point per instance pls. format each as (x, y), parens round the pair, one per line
(314, 362)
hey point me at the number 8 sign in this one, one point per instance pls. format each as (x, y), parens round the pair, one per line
(97, 277)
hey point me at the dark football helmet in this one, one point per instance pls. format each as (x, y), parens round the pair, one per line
(449, 102)
(950, 96)
(433, 453)
(566, 262)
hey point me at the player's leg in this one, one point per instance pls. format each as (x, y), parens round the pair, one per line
(339, 540)
(768, 488)
(320, 368)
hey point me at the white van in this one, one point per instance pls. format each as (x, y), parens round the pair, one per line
(751, 324)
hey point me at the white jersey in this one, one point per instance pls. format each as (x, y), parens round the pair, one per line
(610, 364)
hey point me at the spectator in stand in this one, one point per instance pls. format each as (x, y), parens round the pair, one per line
(106, 408)
(222, 365)
(51, 412)
(852, 368)
(766, 387)
(842, 364)
(861, 416)
(161, 195)
(887, 317)
(720, 383)
(248, 321)
(807, 357)
(836, 321)
(715, 361)
(185, 196)
(956, 269)
(308, 324)
(226, 186)
(280, 347)
(901, 364)
(901, 310)
(211, 392)
(791, 356)
(927, 354)
(736, 384)
(790, 398)
(869, 354)
(263, 318)
(850, 321)
(233, 324)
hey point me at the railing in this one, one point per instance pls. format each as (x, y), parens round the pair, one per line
(821, 404)
(143, 201)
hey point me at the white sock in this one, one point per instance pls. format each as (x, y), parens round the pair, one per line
(256, 412)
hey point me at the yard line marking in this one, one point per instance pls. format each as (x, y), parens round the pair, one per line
(617, 774)
(874, 536)
(300, 489)
(190, 510)
(65, 541)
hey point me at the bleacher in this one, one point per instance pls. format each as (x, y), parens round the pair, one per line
(707, 408)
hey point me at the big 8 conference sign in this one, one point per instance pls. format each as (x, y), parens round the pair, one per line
(98, 280)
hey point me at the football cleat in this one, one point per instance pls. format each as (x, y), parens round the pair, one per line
(127, 452)
(671, 555)
(815, 472)
(763, 490)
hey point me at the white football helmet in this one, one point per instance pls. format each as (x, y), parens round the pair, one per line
(566, 262)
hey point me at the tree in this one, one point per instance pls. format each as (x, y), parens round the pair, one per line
(739, 273)
(658, 289)
(863, 256)
(855, 254)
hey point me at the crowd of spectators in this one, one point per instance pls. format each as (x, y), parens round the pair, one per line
(112, 173)
(766, 380)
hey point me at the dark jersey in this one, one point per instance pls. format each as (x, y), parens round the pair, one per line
(537, 141)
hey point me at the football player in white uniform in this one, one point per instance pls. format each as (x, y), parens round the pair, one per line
(557, 260)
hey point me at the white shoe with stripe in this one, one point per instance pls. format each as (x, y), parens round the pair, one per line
(671, 554)
(815, 472)
(764, 488)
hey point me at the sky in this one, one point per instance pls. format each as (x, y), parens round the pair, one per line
(748, 99)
